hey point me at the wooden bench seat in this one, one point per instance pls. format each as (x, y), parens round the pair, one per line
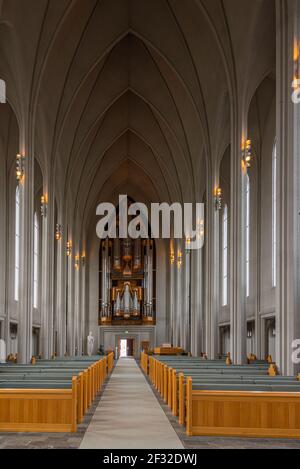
(14, 384)
(242, 413)
(37, 409)
(243, 381)
(50, 396)
(233, 400)
(245, 387)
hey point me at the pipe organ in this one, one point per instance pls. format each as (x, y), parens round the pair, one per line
(127, 281)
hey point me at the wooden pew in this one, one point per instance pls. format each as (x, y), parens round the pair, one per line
(168, 351)
(36, 410)
(258, 377)
(54, 408)
(242, 413)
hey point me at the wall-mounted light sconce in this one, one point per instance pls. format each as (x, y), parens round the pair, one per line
(77, 262)
(179, 259)
(172, 258)
(218, 198)
(20, 163)
(83, 260)
(44, 204)
(296, 56)
(200, 228)
(247, 153)
(58, 232)
(69, 248)
(188, 244)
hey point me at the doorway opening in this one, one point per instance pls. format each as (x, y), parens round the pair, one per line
(270, 337)
(126, 348)
(224, 340)
(35, 341)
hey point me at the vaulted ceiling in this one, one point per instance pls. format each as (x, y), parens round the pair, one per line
(131, 95)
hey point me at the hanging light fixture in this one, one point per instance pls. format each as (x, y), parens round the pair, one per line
(58, 232)
(218, 198)
(247, 153)
(44, 204)
(20, 167)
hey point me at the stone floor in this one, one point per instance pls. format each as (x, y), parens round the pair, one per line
(74, 440)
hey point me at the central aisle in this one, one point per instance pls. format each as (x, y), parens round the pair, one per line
(129, 415)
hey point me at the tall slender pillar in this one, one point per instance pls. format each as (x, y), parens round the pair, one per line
(170, 270)
(25, 304)
(61, 293)
(70, 306)
(4, 230)
(77, 309)
(238, 325)
(196, 326)
(47, 290)
(186, 312)
(288, 209)
(83, 286)
(177, 295)
(211, 272)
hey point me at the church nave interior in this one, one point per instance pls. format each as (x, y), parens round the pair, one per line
(114, 106)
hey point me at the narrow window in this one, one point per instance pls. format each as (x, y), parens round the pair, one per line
(17, 243)
(274, 214)
(225, 258)
(35, 261)
(247, 236)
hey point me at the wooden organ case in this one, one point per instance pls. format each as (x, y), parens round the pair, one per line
(127, 282)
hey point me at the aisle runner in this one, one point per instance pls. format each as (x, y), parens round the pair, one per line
(129, 415)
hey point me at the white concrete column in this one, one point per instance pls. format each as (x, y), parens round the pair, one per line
(177, 296)
(211, 271)
(238, 324)
(257, 281)
(77, 310)
(170, 270)
(70, 305)
(61, 292)
(186, 299)
(180, 304)
(288, 215)
(47, 275)
(83, 288)
(4, 246)
(196, 326)
(25, 304)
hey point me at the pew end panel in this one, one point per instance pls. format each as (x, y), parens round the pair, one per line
(80, 397)
(181, 399)
(242, 413)
(170, 390)
(174, 393)
(39, 410)
(189, 407)
(273, 370)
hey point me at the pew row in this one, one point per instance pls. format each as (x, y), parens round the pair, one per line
(49, 397)
(212, 398)
(242, 413)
